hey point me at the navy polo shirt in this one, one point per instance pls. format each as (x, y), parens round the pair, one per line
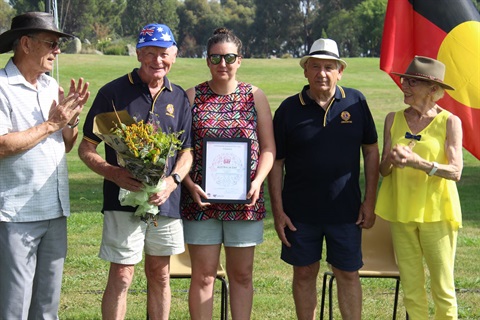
(170, 109)
(322, 155)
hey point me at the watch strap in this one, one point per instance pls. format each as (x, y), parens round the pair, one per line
(71, 126)
(434, 169)
(176, 178)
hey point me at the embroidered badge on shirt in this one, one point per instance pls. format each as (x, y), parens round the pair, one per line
(170, 110)
(345, 115)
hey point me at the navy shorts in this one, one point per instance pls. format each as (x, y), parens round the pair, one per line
(343, 243)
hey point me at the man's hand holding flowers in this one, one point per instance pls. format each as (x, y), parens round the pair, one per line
(146, 159)
(142, 153)
(159, 198)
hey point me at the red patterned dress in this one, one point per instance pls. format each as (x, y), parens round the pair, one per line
(223, 116)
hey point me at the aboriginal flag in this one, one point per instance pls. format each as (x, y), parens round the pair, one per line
(446, 30)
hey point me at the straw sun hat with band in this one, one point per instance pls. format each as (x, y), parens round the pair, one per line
(428, 69)
(28, 23)
(323, 49)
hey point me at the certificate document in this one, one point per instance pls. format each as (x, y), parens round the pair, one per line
(226, 169)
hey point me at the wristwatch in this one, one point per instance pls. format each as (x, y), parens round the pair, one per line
(176, 178)
(71, 126)
(434, 169)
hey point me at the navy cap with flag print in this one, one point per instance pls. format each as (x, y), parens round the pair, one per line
(156, 35)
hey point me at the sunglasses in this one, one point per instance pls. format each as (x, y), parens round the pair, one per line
(217, 58)
(52, 44)
(412, 82)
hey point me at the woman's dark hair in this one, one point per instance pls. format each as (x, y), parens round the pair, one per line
(222, 35)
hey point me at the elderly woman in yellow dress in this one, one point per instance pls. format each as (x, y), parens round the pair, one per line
(421, 161)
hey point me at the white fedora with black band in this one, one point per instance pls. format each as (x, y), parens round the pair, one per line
(323, 49)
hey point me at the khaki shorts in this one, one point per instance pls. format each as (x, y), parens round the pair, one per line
(125, 236)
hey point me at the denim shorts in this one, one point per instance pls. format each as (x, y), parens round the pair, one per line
(238, 233)
(343, 243)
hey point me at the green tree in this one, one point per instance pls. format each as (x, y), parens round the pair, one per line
(240, 16)
(73, 16)
(6, 15)
(188, 20)
(369, 16)
(344, 30)
(109, 15)
(276, 28)
(329, 10)
(214, 17)
(22, 6)
(77, 17)
(139, 13)
(310, 9)
(358, 31)
(198, 20)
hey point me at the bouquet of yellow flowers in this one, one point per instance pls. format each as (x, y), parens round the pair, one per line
(143, 149)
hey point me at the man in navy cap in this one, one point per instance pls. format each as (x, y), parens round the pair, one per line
(38, 125)
(147, 95)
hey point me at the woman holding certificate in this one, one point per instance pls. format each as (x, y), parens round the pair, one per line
(226, 112)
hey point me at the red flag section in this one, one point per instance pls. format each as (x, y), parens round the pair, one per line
(448, 31)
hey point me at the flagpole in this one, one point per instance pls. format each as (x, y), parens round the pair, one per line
(51, 7)
(55, 19)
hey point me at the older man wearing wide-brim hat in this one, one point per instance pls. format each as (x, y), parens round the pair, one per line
(319, 133)
(37, 127)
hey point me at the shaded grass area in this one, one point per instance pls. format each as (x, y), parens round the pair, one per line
(85, 274)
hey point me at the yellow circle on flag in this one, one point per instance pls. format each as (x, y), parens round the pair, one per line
(460, 52)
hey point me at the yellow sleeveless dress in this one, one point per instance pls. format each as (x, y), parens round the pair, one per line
(410, 195)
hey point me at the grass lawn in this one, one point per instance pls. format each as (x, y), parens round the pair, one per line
(85, 274)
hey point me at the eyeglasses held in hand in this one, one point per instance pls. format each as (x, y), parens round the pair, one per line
(217, 58)
(52, 44)
(412, 82)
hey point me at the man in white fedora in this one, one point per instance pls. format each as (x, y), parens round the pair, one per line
(319, 133)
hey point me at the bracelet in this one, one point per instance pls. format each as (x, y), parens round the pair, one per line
(71, 126)
(434, 169)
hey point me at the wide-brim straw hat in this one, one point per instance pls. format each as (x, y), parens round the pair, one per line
(425, 68)
(323, 49)
(27, 23)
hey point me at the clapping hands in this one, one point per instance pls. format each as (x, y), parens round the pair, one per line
(69, 107)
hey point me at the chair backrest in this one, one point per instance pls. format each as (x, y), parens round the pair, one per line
(377, 250)
(181, 266)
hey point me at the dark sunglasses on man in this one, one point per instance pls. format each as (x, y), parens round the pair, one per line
(51, 44)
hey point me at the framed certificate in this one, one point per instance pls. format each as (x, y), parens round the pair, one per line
(226, 169)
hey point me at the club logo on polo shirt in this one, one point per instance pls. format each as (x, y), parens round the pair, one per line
(170, 110)
(345, 115)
